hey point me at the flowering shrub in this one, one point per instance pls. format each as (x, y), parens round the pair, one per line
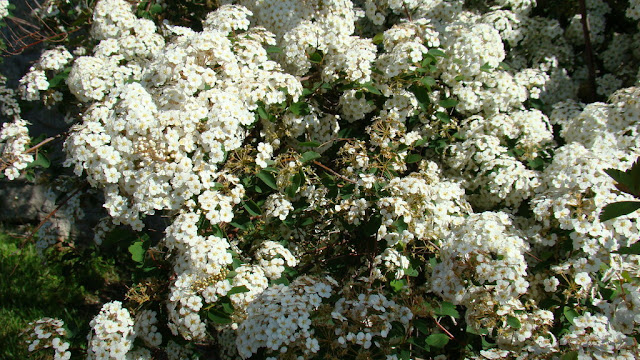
(353, 179)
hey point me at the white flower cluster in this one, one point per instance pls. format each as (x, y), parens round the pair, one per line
(510, 25)
(272, 257)
(4, 8)
(168, 132)
(633, 11)
(305, 27)
(405, 44)
(112, 333)
(279, 320)
(278, 206)
(575, 187)
(166, 115)
(146, 329)
(429, 210)
(486, 164)
(9, 106)
(48, 333)
(14, 140)
(52, 61)
(485, 255)
(366, 319)
(378, 11)
(593, 336)
(469, 47)
(393, 261)
(253, 277)
(183, 307)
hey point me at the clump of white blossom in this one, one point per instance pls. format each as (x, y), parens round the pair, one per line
(14, 140)
(365, 320)
(484, 256)
(48, 333)
(455, 104)
(273, 257)
(112, 333)
(280, 319)
(51, 62)
(14, 135)
(4, 8)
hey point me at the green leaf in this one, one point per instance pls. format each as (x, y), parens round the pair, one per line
(40, 161)
(413, 341)
(480, 331)
(273, 50)
(443, 116)
(513, 322)
(628, 181)
(398, 285)
(570, 314)
(617, 209)
(536, 164)
(438, 340)
(296, 182)
(448, 103)
(282, 280)
(316, 57)
(422, 326)
(504, 66)
(219, 317)
(378, 38)
(486, 67)
(447, 309)
(238, 290)
(306, 222)
(238, 225)
(571, 355)
(227, 307)
(137, 251)
(263, 113)
(413, 158)
(486, 344)
(436, 52)
(372, 89)
(155, 9)
(251, 207)
(268, 179)
(300, 108)
(421, 93)
(421, 142)
(309, 156)
(400, 225)
(56, 80)
(428, 81)
(630, 250)
(411, 272)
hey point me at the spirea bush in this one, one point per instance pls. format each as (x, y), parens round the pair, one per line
(337, 179)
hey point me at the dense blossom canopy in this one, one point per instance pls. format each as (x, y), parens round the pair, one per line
(357, 179)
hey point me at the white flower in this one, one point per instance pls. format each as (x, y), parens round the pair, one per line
(583, 279)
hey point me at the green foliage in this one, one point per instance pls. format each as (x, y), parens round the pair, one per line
(63, 286)
(627, 182)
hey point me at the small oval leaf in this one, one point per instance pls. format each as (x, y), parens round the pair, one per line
(437, 340)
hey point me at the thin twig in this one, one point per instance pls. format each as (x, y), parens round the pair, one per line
(334, 173)
(588, 50)
(443, 329)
